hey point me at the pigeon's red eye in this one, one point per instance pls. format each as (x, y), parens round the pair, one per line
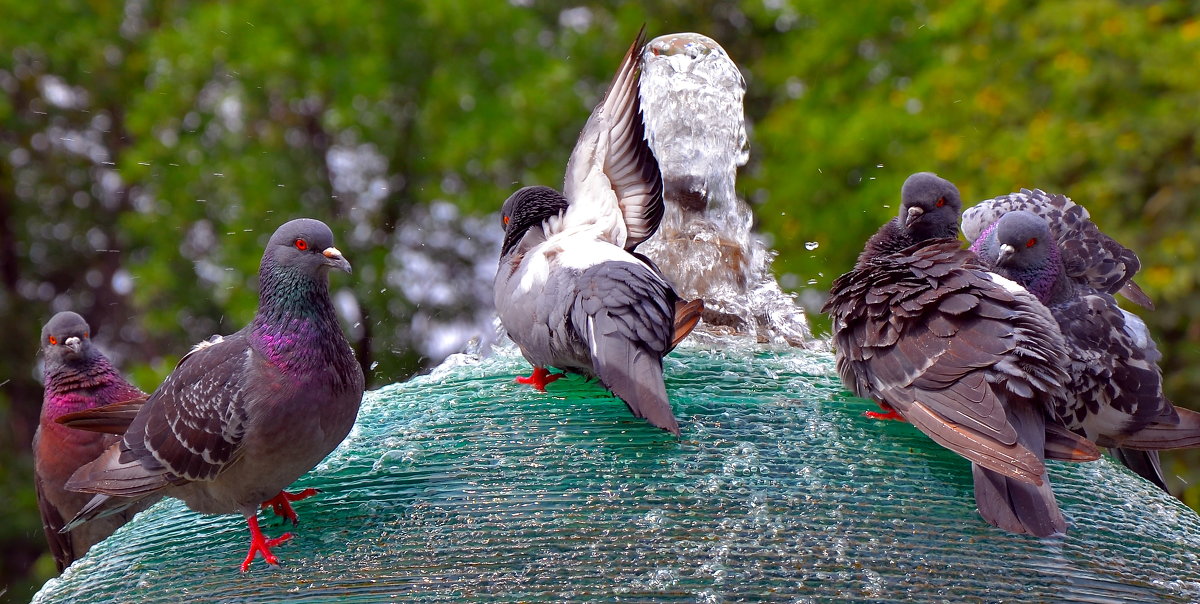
(506, 221)
(301, 244)
(941, 202)
(1032, 242)
(53, 341)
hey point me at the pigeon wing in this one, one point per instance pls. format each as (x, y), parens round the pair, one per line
(109, 419)
(189, 429)
(115, 418)
(612, 174)
(625, 315)
(938, 341)
(1014, 505)
(61, 543)
(194, 422)
(1143, 463)
(1114, 367)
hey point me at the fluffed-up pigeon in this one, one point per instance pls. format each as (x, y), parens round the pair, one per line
(1116, 384)
(968, 357)
(570, 290)
(1089, 255)
(243, 416)
(76, 377)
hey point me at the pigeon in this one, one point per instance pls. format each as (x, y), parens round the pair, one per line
(1115, 379)
(244, 415)
(570, 289)
(76, 377)
(1088, 254)
(968, 357)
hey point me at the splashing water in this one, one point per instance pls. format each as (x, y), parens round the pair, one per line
(692, 102)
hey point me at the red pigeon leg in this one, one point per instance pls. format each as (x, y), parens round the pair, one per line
(889, 413)
(539, 378)
(260, 544)
(281, 504)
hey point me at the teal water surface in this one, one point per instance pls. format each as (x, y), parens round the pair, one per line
(463, 485)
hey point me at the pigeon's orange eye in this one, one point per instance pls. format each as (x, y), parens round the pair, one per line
(505, 221)
(1032, 242)
(301, 244)
(53, 341)
(941, 202)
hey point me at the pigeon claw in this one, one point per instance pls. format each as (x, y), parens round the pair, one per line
(892, 415)
(282, 507)
(888, 413)
(539, 378)
(261, 545)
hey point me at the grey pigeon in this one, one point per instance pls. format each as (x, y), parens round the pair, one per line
(1115, 379)
(1088, 255)
(570, 290)
(76, 377)
(969, 358)
(243, 416)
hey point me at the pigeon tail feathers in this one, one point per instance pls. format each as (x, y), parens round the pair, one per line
(1065, 445)
(625, 315)
(1013, 505)
(1162, 436)
(687, 316)
(631, 372)
(1144, 464)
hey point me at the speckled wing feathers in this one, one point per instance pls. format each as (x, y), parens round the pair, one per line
(190, 429)
(196, 423)
(1113, 374)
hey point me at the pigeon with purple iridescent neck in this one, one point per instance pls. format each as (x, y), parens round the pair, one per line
(76, 376)
(243, 416)
(1088, 254)
(1116, 385)
(967, 357)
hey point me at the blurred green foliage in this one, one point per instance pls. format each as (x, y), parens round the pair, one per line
(147, 149)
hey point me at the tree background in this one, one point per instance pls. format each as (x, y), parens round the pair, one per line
(148, 149)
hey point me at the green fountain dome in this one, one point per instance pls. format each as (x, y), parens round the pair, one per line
(464, 486)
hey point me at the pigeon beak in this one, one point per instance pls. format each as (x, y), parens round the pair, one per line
(74, 343)
(914, 214)
(333, 257)
(1006, 254)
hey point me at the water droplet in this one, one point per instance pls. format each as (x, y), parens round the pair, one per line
(374, 365)
(811, 245)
